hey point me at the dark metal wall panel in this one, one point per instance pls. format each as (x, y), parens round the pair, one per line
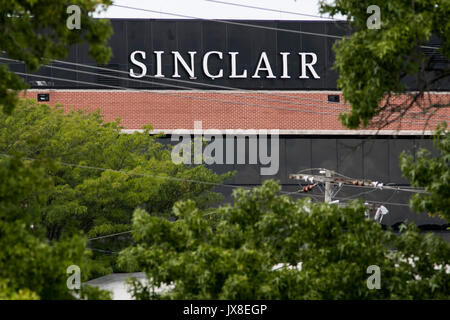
(396, 147)
(336, 28)
(424, 143)
(324, 153)
(376, 159)
(357, 157)
(139, 38)
(282, 168)
(57, 73)
(212, 40)
(202, 36)
(119, 41)
(235, 43)
(165, 39)
(350, 157)
(297, 156)
(248, 174)
(317, 45)
(292, 43)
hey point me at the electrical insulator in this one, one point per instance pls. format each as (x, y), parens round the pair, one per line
(307, 188)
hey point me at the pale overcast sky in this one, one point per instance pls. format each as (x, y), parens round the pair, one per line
(213, 10)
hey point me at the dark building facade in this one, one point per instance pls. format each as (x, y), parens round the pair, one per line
(276, 75)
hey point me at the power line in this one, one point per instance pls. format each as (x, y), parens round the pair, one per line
(215, 184)
(196, 97)
(418, 120)
(110, 235)
(188, 88)
(345, 199)
(284, 96)
(175, 94)
(387, 186)
(169, 93)
(242, 24)
(206, 85)
(350, 182)
(229, 22)
(224, 87)
(189, 180)
(274, 10)
(352, 197)
(69, 80)
(104, 251)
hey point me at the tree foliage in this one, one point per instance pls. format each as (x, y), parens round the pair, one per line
(374, 65)
(231, 253)
(99, 175)
(35, 32)
(432, 174)
(31, 267)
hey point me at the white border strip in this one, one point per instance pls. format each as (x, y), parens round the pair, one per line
(249, 91)
(293, 132)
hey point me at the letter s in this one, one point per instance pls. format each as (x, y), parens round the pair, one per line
(139, 64)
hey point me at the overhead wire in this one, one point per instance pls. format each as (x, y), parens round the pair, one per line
(275, 10)
(174, 178)
(269, 93)
(178, 95)
(242, 23)
(229, 22)
(185, 96)
(289, 102)
(215, 184)
(281, 95)
(190, 88)
(385, 186)
(189, 180)
(418, 120)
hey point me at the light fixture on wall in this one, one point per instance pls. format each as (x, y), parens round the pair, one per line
(333, 98)
(43, 97)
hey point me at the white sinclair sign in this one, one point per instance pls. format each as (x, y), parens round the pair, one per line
(262, 69)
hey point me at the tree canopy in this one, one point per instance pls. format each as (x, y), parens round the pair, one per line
(99, 175)
(267, 246)
(30, 266)
(432, 174)
(377, 65)
(76, 175)
(35, 32)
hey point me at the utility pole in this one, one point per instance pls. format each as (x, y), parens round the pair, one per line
(327, 186)
(329, 179)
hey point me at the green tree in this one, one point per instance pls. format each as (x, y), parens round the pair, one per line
(31, 267)
(374, 65)
(35, 31)
(100, 175)
(433, 174)
(231, 253)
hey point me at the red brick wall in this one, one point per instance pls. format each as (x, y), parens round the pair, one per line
(302, 110)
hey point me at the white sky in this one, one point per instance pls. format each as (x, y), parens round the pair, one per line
(210, 10)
